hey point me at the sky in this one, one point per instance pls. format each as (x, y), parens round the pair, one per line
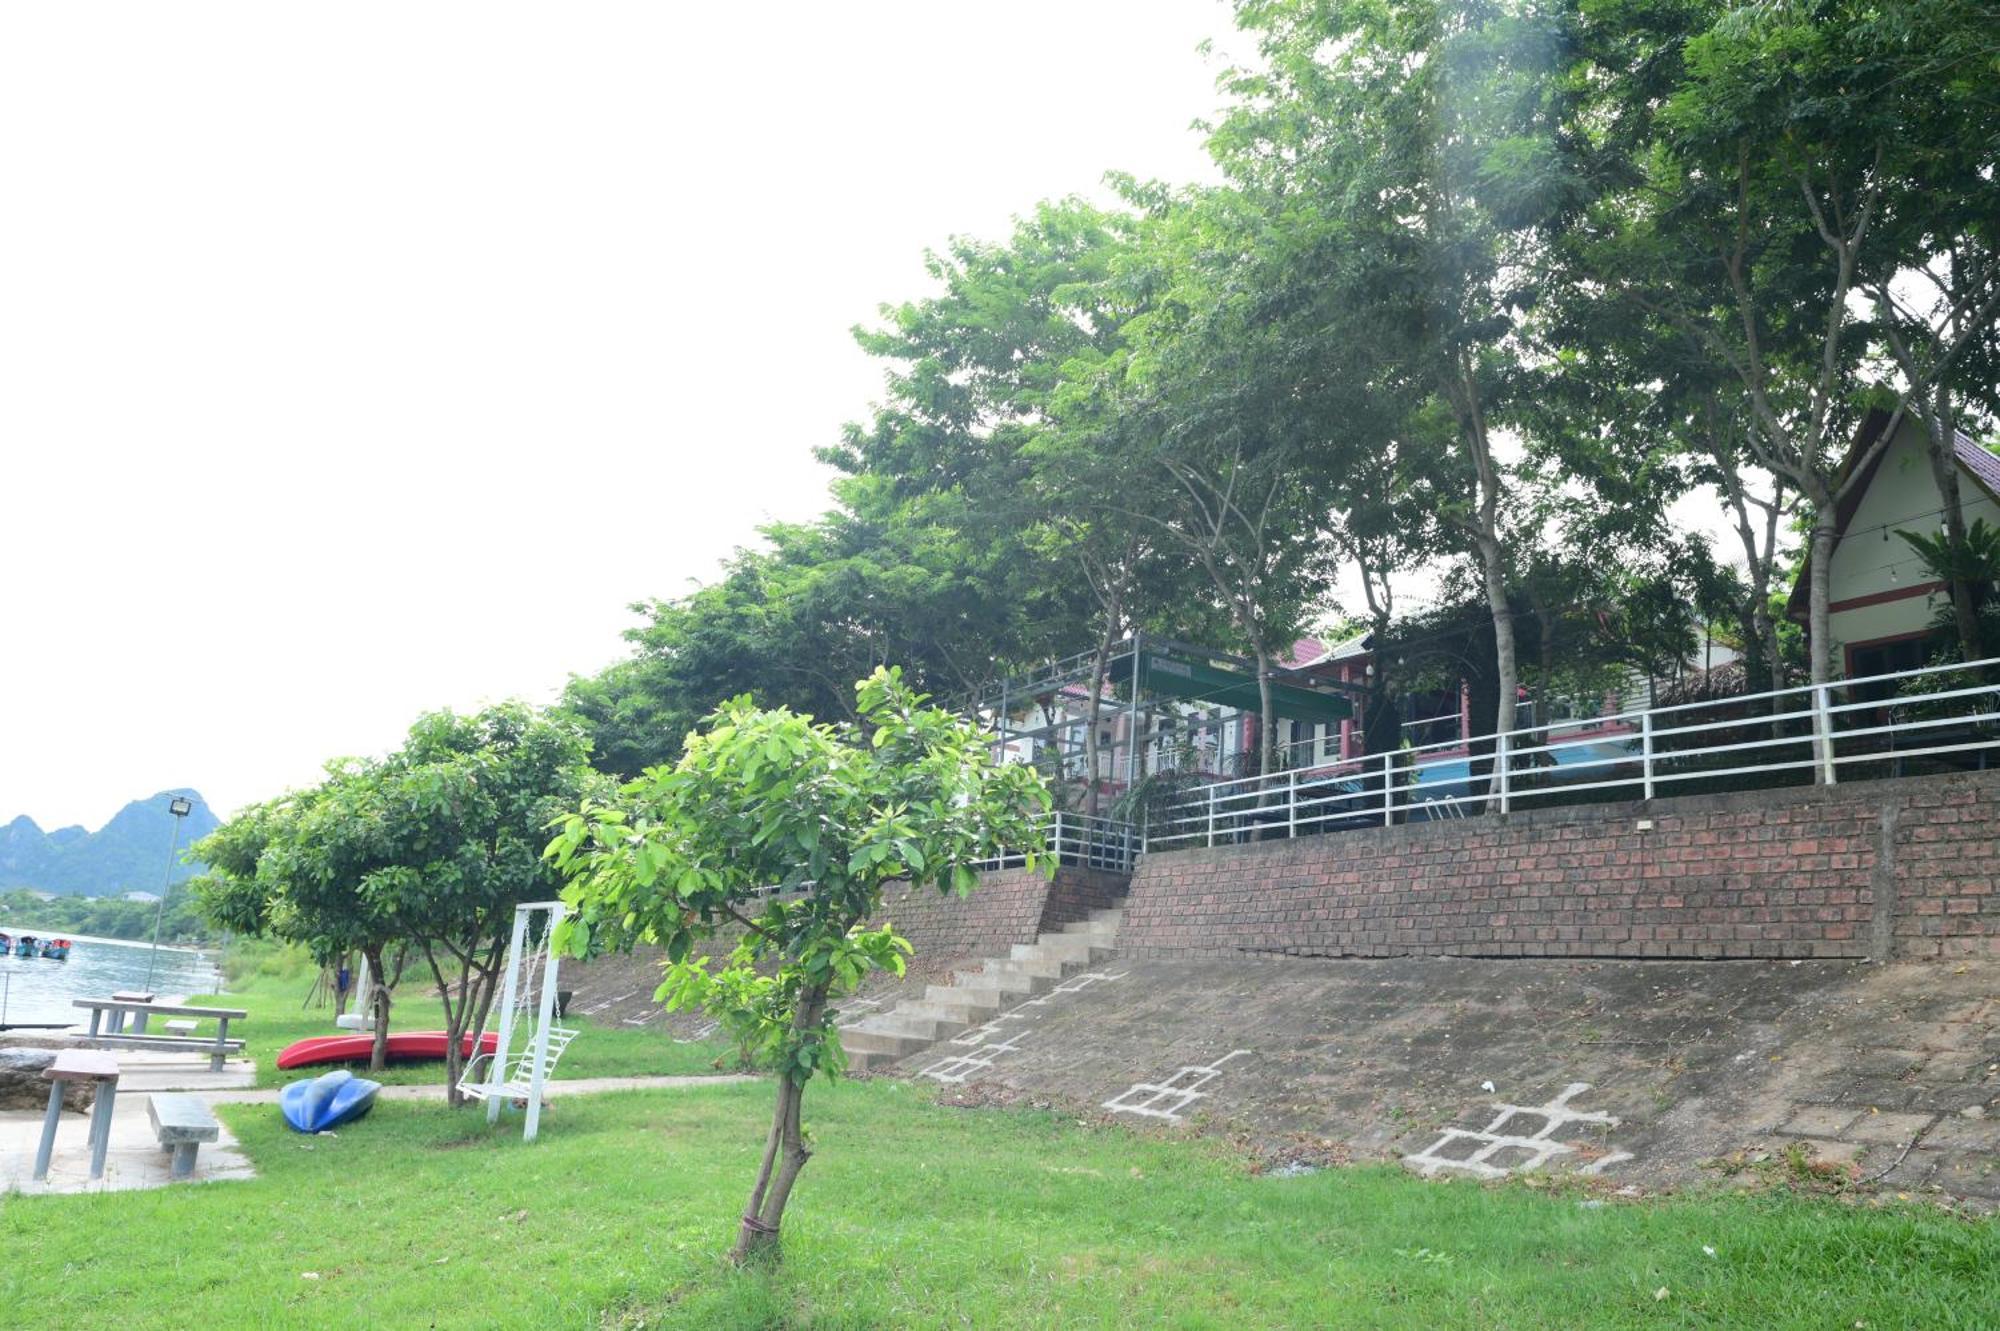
(358, 360)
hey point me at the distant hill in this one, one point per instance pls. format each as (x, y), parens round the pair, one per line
(127, 854)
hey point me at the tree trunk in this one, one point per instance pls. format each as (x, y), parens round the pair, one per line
(1819, 619)
(785, 1151)
(1267, 724)
(1093, 712)
(1942, 448)
(378, 999)
(1507, 671)
(1821, 623)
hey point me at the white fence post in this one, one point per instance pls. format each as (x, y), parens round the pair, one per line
(1055, 837)
(1292, 804)
(1389, 788)
(1823, 733)
(1500, 769)
(1646, 750)
(1211, 815)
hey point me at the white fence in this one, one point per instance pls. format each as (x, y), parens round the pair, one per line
(1082, 839)
(1904, 723)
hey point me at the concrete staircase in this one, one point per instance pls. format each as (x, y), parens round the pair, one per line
(975, 997)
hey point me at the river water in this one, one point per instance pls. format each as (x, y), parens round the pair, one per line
(35, 990)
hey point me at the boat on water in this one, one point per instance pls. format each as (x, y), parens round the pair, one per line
(26, 946)
(56, 949)
(323, 1102)
(357, 1048)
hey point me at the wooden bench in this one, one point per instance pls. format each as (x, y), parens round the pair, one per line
(182, 1123)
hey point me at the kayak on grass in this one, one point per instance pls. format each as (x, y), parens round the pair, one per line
(357, 1048)
(323, 1102)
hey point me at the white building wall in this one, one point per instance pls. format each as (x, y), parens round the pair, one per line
(1901, 495)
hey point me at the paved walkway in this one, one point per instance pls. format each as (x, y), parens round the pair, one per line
(135, 1159)
(554, 1090)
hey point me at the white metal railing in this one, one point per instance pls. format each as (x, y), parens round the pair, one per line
(1812, 734)
(1087, 840)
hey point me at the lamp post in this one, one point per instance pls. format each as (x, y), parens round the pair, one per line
(180, 807)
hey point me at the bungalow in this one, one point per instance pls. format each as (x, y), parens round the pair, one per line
(1882, 600)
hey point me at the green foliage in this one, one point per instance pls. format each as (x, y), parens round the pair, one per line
(787, 830)
(23, 911)
(428, 849)
(1973, 563)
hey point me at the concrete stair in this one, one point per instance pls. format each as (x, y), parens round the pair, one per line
(975, 997)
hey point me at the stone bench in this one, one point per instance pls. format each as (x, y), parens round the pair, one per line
(182, 1123)
(183, 1027)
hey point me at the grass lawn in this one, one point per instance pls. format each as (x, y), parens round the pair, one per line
(272, 994)
(916, 1215)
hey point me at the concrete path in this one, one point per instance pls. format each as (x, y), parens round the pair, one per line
(554, 1090)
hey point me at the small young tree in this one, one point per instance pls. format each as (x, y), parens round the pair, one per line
(825, 814)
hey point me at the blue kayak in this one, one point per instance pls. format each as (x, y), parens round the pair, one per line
(319, 1103)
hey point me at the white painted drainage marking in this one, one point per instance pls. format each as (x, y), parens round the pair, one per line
(988, 1042)
(1075, 983)
(1540, 1146)
(978, 1035)
(961, 1067)
(1166, 1099)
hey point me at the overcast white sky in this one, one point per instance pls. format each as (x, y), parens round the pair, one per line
(361, 359)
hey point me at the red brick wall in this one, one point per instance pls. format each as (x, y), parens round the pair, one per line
(1009, 906)
(1770, 874)
(1946, 860)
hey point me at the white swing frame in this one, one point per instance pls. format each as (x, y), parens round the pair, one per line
(505, 1079)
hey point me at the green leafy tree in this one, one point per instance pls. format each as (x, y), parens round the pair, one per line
(461, 814)
(428, 849)
(1416, 151)
(294, 869)
(784, 831)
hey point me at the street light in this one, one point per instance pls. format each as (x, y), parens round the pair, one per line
(180, 806)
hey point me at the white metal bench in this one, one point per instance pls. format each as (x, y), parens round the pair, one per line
(182, 1123)
(476, 1080)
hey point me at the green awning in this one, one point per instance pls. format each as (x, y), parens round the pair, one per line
(1192, 679)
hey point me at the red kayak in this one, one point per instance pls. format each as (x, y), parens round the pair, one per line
(358, 1048)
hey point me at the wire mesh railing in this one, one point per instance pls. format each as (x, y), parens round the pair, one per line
(1909, 722)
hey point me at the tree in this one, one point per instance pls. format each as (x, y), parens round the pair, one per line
(1765, 171)
(461, 813)
(1419, 145)
(826, 814)
(427, 850)
(293, 869)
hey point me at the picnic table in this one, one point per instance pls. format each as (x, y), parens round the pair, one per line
(79, 1065)
(117, 1018)
(117, 1009)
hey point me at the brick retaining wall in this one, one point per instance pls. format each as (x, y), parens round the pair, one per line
(1905, 866)
(1009, 906)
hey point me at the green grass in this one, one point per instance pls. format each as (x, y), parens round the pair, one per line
(921, 1216)
(272, 988)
